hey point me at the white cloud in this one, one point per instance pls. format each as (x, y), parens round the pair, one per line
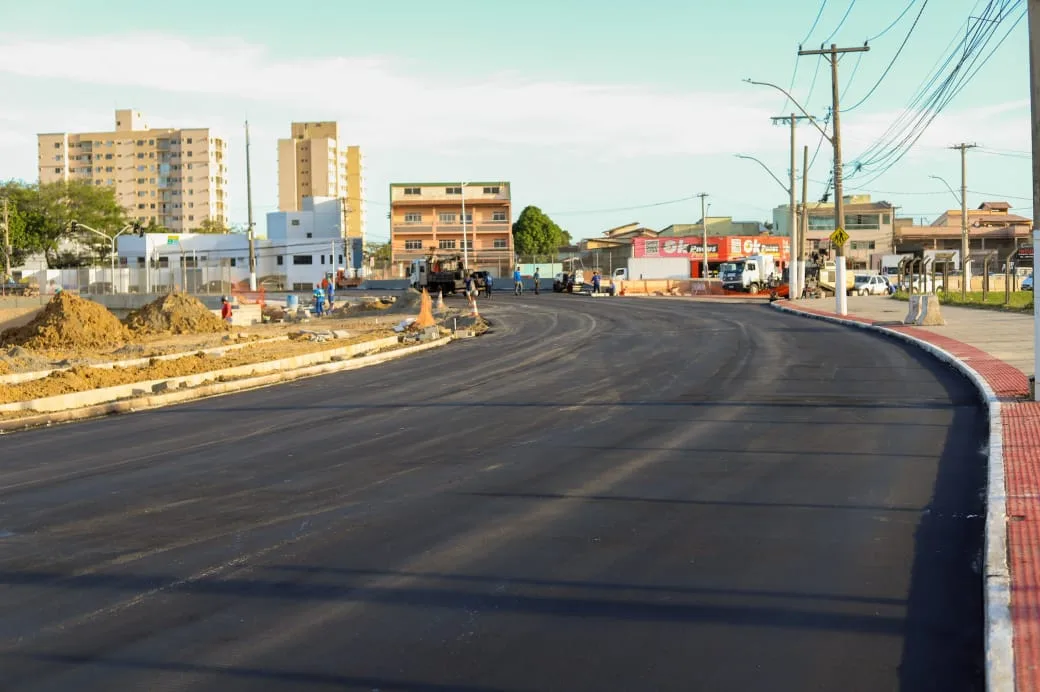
(388, 103)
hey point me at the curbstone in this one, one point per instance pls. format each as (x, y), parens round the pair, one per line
(999, 634)
(150, 400)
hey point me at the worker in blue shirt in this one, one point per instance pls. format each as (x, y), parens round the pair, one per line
(518, 283)
(319, 300)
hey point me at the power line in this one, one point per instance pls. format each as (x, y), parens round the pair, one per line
(893, 24)
(808, 35)
(1008, 154)
(894, 58)
(841, 23)
(638, 206)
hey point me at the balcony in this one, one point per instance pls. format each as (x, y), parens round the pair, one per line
(412, 228)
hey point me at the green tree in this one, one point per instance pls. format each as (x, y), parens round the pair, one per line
(47, 211)
(211, 225)
(379, 251)
(534, 233)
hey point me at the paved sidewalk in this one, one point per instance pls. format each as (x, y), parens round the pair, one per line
(999, 347)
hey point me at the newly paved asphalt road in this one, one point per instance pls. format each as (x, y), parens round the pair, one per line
(615, 494)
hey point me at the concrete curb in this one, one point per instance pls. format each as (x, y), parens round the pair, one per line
(20, 377)
(999, 635)
(217, 389)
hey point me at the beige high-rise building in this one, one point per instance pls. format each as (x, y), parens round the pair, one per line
(316, 163)
(176, 178)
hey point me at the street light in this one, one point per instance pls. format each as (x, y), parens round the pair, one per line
(948, 187)
(135, 226)
(965, 269)
(778, 181)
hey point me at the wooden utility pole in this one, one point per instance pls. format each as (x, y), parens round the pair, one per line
(792, 272)
(249, 204)
(803, 237)
(1033, 8)
(832, 54)
(965, 245)
(7, 243)
(704, 230)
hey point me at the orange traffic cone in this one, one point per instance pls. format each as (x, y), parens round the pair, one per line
(474, 313)
(440, 300)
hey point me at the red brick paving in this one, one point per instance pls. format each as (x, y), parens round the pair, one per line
(1020, 420)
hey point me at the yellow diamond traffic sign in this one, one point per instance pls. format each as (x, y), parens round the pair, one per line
(839, 237)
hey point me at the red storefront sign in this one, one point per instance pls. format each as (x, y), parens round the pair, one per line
(720, 248)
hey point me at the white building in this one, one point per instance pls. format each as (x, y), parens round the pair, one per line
(310, 243)
(301, 248)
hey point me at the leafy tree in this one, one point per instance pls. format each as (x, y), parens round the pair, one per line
(378, 251)
(534, 233)
(47, 211)
(212, 225)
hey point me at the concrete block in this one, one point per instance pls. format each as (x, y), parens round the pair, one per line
(340, 334)
(160, 387)
(913, 310)
(931, 313)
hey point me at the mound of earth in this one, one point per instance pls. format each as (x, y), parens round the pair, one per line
(68, 322)
(175, 313)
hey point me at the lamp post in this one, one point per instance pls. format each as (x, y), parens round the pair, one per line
(75, 226)
(792, 268)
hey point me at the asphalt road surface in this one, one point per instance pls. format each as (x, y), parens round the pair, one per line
(601, 494)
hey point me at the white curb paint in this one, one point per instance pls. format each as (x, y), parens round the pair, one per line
(999, 634)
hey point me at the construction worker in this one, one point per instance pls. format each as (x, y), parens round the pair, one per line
(330, 294)
(225, 309)
(319, 301)
(595, 282)
(518, 282)
(537, 280)
(488, 283)
(471, 291)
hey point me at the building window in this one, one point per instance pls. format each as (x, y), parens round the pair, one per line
(863, 245)
(280, 260)
(303, 259)
(501, 244)
(412, 191)
(467, 244)
(446, 218)
(453, 190)
(492, 190)
(652, 247)
(413, 245)
(57, 170)
(413, 218)
(57, 145)
(294, 222)
(310, 235)
(446, 244)
(498, 216)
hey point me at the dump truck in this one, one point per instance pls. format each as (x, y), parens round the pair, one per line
(444, 274)
(750, 274)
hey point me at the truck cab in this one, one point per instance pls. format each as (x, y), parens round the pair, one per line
(750, 274)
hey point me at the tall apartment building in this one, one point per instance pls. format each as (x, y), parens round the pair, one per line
(315, 162)
(427, 218)
(176, 178)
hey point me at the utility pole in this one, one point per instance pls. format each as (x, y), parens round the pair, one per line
(792, 269)
(249, 204)
(804, 235)
(465, 248)
(1033, 8)
(832, 55)
(965, 245)
(704, 229)
(7, 243)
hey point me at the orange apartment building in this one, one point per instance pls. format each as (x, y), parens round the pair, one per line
(427, 218)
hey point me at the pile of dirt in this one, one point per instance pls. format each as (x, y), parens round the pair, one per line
(68, 322)
(175, 313)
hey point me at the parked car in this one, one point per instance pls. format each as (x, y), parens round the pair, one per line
(1027, 283)
(869, 285)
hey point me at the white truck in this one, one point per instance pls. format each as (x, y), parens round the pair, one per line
(654, 268)
(890, 266)
(750, 274)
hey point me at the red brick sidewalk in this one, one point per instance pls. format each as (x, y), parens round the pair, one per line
(1020, 422)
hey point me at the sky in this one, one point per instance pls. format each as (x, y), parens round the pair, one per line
(600, 114)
